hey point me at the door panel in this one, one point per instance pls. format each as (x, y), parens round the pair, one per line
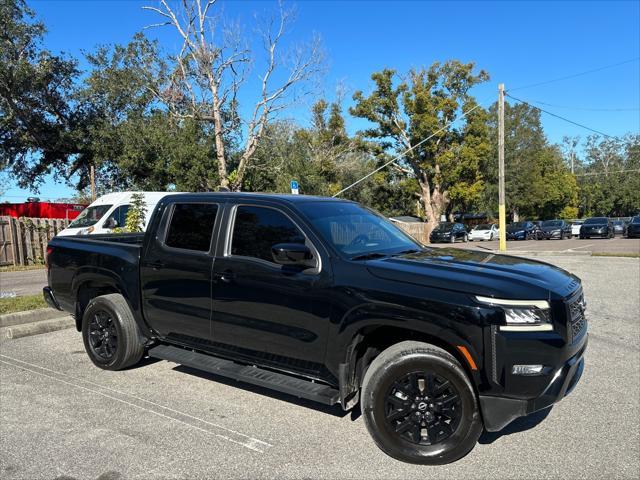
(176, 274)
(262, 310)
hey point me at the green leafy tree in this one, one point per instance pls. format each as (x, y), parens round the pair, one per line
(133, 141)
(136, 213)
(608, 177)
(40, 126)
(405, 112)
(538, 183)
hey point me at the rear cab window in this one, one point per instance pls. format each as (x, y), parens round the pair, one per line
(191, 226)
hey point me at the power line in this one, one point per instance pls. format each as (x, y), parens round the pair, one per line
(398, 157)
(560, 117)
(546, 82)
(587, 109)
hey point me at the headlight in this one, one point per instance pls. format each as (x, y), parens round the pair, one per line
(522, 315)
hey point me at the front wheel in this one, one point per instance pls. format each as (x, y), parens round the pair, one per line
(110, 333)
(419, 405)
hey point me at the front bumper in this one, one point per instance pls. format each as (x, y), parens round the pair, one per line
(47, 293)
(516, 236)
(498, 412)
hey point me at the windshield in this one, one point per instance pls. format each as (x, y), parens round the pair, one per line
(517, 225)
(443, 227)
(90, 216)
(552, 223)
(635, 220)
(354, 230)
(618, 222)
(595, 220)
(483, 227)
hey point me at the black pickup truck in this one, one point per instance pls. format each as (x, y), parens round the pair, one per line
(326, 300)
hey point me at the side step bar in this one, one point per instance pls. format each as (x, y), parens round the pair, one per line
(247, 373)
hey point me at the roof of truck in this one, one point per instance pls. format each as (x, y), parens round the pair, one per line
(282, 197)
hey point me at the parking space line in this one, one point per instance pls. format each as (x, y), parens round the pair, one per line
(576, 248)
(246, 441)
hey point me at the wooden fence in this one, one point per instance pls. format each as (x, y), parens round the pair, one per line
(23, 241)
(417, 230)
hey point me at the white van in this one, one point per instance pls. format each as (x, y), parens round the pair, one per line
(109, 212)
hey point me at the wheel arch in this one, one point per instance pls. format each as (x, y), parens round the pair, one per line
(369, 341)
(92, 283)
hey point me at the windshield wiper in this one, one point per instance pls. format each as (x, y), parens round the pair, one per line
(369, 256)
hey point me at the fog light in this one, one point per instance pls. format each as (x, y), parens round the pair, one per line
(528, 370)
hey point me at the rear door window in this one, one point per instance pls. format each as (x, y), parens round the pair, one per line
(191, 226)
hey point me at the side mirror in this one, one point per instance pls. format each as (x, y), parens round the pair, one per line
(110, 223)
(297, 254)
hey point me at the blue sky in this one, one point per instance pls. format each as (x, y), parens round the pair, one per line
(517, 43)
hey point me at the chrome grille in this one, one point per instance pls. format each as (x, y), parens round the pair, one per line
(577, 319)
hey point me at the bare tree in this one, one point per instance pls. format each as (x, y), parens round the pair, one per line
(213, 64)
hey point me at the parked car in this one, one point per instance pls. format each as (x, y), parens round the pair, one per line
(633, 229)
(322, 299)
(449, 232)
(523, 231)
(485, 231)
(597, 227)
(620, 227)
(109, 212)
(555, 229)
(575, 227)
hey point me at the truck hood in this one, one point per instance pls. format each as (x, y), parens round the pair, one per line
(477, 273)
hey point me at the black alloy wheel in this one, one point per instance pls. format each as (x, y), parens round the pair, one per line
(110, 333)
(103, 335)
(423, 408)
(419, 406)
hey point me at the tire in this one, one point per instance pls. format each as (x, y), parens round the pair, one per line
(110, 333)
(561, 235)
(415, 361)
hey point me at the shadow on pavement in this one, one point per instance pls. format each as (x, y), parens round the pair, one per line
(335, 410)
(519, 425)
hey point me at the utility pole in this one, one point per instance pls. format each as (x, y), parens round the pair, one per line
(573, 155)
(501, 204)
(92, 174)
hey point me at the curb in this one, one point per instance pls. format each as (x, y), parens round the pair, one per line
(18, 318)
(36, 328)
(557, 253)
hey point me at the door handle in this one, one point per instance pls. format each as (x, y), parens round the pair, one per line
(227, 276)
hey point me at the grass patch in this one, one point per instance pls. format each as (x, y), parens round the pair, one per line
(21, 304)
(21, 268)
(622, 254)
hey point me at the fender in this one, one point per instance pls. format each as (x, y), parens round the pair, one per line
(124, 282)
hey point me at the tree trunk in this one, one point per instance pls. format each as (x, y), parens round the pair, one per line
(433, 203)
(515, 216)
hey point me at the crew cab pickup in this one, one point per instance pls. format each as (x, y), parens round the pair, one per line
(326, 300)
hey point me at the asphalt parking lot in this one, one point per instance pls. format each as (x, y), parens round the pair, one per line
(62, 418)
(617, 245)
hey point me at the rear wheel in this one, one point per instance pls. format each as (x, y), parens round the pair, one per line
(110, 333)
(419, 405)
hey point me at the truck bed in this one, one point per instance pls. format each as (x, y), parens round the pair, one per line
(93, 259)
